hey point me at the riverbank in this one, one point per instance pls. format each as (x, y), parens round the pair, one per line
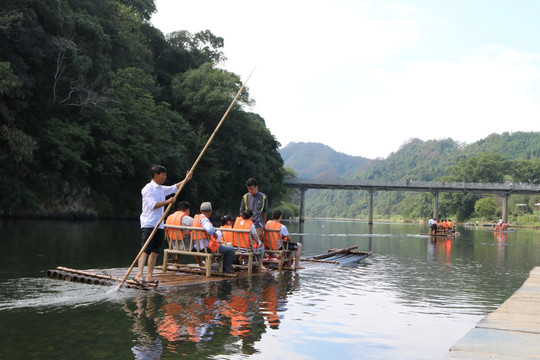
(510, 332)
(535, 226)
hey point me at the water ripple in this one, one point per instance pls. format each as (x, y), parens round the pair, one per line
(47, 294)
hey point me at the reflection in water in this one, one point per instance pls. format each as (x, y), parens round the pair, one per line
(398, 304)
(444, 243)
(210, 316)
(148, 345)
(501, 239)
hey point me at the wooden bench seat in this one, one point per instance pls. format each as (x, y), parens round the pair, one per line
(249, 257)
(176, 247)
(284, 255)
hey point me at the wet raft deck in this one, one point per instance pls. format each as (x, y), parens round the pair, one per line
(177, 277)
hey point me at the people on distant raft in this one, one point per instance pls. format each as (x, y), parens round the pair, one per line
(444, 226)
(284, 235)
(450, 226)
(153, 200)
(432, 225)
(210, 239)
(257, 202)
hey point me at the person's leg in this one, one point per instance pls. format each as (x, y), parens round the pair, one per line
(142, 261)
(145, 233)
(297, 255)
(228, 257)
(151, 263)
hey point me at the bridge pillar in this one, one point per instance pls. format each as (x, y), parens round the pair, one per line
(436, 205)
(370, 207)
(505, 208)
(302, 200)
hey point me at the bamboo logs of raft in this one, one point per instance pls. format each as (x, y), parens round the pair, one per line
(67, 274)
(332, 252)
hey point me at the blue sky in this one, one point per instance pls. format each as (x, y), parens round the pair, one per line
(366, 76)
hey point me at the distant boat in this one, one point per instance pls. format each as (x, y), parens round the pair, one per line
(441, 234)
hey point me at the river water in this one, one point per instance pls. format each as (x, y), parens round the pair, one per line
(413, 299)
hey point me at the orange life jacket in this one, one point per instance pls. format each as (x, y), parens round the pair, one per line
(271, 238)
(243, 240)
(443, 224)
(450, 224)
(176, 219)
(227, 235)
(197, 235)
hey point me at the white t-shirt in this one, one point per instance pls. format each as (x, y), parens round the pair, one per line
(153, 193)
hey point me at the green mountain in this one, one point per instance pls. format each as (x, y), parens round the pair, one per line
(318, 161)
(430, 160)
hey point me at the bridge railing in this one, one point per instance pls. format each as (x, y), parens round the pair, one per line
(443, 185)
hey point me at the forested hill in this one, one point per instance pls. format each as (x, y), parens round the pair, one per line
(416, 159)
(513, 157)
(317, 161)
(92, 95)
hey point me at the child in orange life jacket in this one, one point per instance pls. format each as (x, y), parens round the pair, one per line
(227, 222)
(284, 235)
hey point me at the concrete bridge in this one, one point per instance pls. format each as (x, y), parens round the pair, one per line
(503, 190)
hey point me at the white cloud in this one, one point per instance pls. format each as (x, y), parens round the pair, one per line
(359, 75)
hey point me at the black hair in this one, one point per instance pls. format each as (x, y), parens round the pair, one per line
(183, 205)
(276, 214)
(251, 182)
(246, 214)
(225, 219)
(157, 169)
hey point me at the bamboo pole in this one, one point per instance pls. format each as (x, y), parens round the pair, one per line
(320, 261)
(184, 182)
(335, 252)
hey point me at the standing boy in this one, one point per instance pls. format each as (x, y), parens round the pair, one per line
(257, 202)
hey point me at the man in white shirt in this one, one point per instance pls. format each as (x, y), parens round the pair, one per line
(432, 223)
(153, 200)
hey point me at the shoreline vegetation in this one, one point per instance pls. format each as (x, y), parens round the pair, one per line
(468, 223)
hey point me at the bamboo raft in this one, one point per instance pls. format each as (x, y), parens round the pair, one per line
(441, 234)
(178, 276)
(502, 231)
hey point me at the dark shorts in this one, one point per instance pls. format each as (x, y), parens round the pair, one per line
(434, 227)
(290, 246)
(155, 243)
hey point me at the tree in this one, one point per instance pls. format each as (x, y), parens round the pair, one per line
(485, 208)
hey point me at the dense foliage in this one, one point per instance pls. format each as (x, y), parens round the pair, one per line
(92, 95)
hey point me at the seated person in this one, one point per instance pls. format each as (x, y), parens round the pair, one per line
(244, 222)
(203, 220)
(227, 222)
(180, 218)
(284, 235)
